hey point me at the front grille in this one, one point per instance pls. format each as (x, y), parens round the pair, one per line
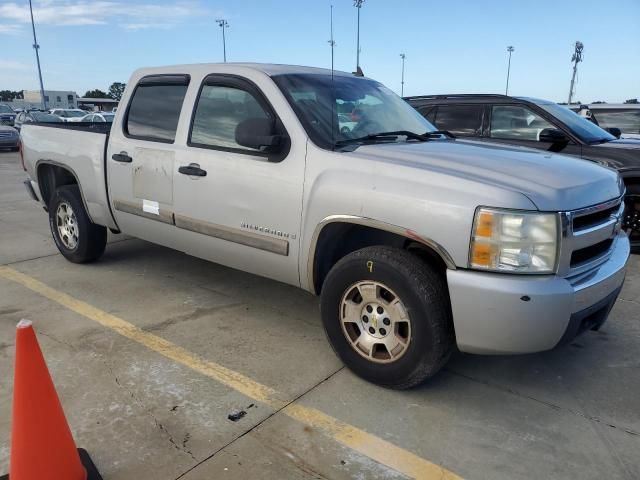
(6, 134)
(589, 253)
(593, 219)
(588, 237)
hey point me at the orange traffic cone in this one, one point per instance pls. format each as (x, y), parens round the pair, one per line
(42, 447)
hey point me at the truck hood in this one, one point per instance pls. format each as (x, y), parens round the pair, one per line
(552, 182)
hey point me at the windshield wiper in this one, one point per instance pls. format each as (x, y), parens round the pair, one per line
(390, 136)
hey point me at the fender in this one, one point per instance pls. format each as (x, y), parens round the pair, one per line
(370, 222)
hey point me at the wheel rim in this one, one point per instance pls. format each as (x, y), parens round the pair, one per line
(67, 225)
(375, 322)
(631, 220)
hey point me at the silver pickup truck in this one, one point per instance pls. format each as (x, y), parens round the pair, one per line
(416, 242)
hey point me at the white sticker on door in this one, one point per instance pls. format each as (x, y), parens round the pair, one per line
(150, 206)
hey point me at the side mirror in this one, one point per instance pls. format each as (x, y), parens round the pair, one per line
(259, 134)
(553, 136)
(616, 132)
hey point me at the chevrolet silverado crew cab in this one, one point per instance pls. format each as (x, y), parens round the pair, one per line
(416, 243)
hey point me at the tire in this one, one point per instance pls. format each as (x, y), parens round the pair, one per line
(426, 324)
(631, 221)
(78, 239)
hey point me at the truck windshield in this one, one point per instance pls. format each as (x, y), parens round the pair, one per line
(581, 127)
(5, 109)
(343, 108)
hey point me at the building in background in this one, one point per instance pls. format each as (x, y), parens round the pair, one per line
(54, 98)
(97, 104)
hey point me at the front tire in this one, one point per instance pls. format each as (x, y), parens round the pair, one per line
(388, 317)
(77, 238)
(631, 220)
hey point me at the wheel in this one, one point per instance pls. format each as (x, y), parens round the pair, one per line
(631, 220)
(388, 317)
(77, 238)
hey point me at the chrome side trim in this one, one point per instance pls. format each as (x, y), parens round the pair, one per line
(369, 222)
(135, 208)
(250, 239)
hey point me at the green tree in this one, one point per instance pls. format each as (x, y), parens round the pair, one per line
(96, 94)
(116, 90)
(632, 100)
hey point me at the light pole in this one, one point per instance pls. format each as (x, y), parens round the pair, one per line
(402, 56)
(332, 42)
(358, 5)
(510, 49)
(36, 47)
(223, 24)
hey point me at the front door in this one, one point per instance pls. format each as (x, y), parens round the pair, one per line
(235, 205)
(141, 157)
(519, 125)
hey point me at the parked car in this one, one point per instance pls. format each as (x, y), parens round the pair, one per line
(99, 117)
(9, 138)
(7, 115)
(622, 116)
(544, 125)
(414, 242)
(68, 114)
(35, 116)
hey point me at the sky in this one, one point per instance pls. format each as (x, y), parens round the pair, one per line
(451, 47)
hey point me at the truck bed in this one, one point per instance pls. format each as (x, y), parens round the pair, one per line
(80, 148)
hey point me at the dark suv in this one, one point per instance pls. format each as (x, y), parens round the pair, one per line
(540, 124)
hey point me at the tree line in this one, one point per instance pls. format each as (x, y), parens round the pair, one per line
(115, 92)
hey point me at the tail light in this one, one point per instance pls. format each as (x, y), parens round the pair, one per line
(21, 155)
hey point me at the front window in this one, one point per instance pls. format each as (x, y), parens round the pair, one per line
(74, 114)
(628, 121)
(5, 109)
(515, 122)
(342, 108)
(581, 127)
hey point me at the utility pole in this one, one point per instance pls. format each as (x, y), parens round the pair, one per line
(576, 58)
(332, 41)
(36, 47)
(358, 5)
(223, 24)
(402, 56)
(510, 49)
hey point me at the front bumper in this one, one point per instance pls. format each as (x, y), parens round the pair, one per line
(507, 314)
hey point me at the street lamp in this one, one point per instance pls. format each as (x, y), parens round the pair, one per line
(36, 47)
(402, 56)
(358, 5)
(223, 24)
(510, 49)
(332, 42)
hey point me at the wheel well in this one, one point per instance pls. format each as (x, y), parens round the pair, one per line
(50, 177)
(339, 239)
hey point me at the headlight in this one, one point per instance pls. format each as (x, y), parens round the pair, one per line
(513, 241)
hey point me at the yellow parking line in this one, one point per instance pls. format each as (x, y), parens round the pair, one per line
(365, 443)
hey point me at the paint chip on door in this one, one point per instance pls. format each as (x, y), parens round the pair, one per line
(150, 206)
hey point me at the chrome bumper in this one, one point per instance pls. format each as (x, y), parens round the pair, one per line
(508, 314)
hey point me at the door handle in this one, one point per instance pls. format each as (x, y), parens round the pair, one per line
(193, 170)
(122, 157)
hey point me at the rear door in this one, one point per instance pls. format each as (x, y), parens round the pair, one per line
(236, 205)
(463, 120)
(141, 158)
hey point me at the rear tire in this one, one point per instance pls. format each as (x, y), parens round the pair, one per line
(77, 238)
(388, 317)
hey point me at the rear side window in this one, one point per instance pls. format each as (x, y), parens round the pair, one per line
(155, 107)
(429, 112)
(463, 120)
(219, 110)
